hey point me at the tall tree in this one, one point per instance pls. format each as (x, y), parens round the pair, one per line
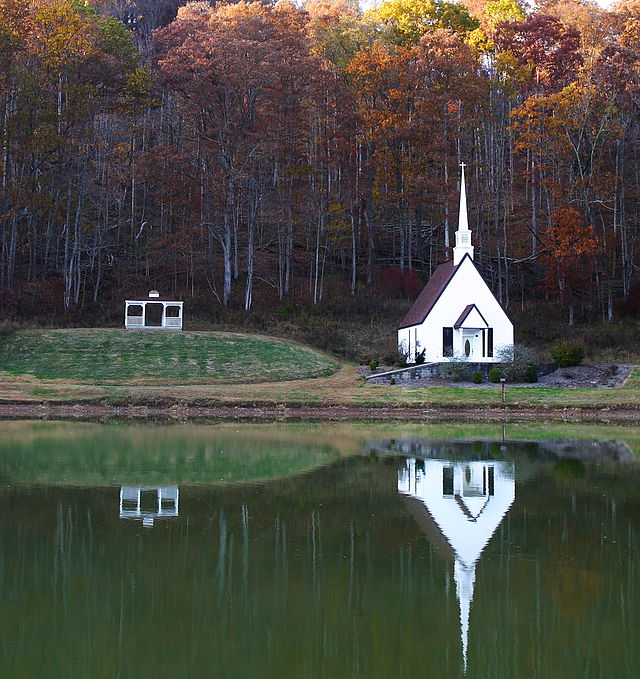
(546, 47)
(404, 22)
(242, 72)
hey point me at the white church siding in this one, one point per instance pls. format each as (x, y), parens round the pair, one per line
(467, 287)
(456, 315)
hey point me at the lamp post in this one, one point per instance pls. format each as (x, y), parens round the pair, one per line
(502, 381)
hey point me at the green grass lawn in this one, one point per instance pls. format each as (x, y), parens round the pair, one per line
(187, 369)
(103, 356)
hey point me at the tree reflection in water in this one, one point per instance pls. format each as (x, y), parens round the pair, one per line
(332, 573)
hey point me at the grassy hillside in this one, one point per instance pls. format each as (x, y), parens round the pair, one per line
(206, 369)
(107, 356)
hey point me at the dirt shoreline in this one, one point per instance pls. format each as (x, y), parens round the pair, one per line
(264, 412)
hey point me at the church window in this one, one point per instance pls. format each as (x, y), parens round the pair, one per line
(447, 341)
(447, 481)
(490, 342)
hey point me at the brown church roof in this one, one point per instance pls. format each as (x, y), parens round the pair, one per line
(429, 295)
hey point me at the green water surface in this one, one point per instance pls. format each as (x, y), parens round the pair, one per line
(292, 554)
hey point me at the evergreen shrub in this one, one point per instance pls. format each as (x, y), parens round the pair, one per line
(494, 375)
(476, 377)
(285, 311)
(567, 353)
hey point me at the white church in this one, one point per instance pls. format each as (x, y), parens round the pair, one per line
(456, 315)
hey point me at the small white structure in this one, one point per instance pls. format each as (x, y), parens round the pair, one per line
(464, 502)
(148, 503)
(153, 312)
(456, 314)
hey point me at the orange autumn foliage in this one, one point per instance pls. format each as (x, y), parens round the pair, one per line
(571, 249)
(570, 236)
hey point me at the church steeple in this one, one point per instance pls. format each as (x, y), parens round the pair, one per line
(463, 235)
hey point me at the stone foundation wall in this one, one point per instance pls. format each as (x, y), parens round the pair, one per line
(435, 370)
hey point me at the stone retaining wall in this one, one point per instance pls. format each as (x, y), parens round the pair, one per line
(434, 371)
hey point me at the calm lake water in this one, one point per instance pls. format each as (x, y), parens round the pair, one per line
(291, 551)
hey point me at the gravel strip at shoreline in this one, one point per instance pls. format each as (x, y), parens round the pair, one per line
(294, 413)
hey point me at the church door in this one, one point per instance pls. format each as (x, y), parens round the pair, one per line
(471, 347)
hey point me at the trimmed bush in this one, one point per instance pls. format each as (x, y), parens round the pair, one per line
(420, 357)
(567, 353)
(373, 364)
(392, 380)
(494, 375)
(477, 377)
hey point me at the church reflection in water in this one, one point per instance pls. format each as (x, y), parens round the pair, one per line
(459, 505)
(148, 503)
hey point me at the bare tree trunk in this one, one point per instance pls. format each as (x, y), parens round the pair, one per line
(368, 218)
(620, 218)
(226, 249)
(11, 254)
(316, 264)
(236, 247)
(4, 263)
(446, 206)
(73, 267)
(354, 258)
(403, 227)
(252, 200)
(288, 255)
(67, 242)
(534, 214)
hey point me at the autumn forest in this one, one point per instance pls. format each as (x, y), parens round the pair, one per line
(258, 158)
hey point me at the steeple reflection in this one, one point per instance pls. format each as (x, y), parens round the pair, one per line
(465, 502)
